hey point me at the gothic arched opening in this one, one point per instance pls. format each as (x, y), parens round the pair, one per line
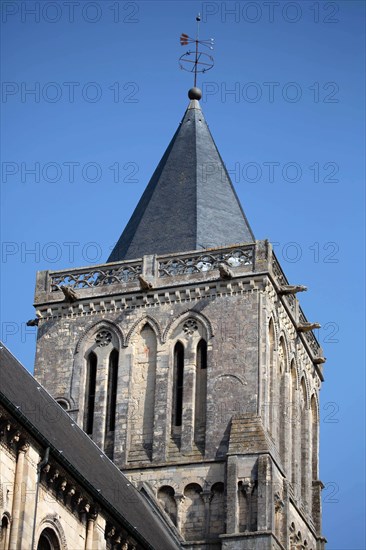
(4, 533)
(194, 513)
(217, 509)
(167, 500)
(91, 378)
(48, 540)
(272, 379)
(178, 384)
(112, 391)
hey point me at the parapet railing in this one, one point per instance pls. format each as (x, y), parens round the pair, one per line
(310, 337)
(165, 266)
(88, 277)
(282, 280)
(202, 262)
(294, 306)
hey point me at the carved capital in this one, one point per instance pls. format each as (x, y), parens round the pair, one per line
(15, 437)
(71, 491)
(23, 447)
(247, 486)
(119, 538)
(278, 502)
(93, 512)
(179, 498)
(63, 484)
(53, 476)
(206, 496)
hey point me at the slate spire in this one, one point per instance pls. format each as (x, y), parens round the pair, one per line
(190, 202)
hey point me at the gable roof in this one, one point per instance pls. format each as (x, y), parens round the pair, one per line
(189, 203)
(36, 410)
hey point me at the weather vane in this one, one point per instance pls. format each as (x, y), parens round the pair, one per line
(202, 61)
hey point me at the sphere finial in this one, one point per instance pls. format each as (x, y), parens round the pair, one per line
(195, 93)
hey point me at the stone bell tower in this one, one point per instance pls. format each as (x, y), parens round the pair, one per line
(189, 361)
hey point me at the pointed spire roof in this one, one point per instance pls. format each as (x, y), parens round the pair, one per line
(189, 203)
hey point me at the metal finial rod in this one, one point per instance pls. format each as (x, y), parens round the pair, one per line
(198, 19)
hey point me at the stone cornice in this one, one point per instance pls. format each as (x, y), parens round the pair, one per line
(183, 293)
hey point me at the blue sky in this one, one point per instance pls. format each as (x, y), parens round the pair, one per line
(285, 104)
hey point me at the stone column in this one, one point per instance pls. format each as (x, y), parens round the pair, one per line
(162, 409)
(306, 456)
(17, 512)
(296, 441)
(101, 388)
(267, 380)
(206, 497)
(265, 490)
(232, 504)
(247, 487)
(189, 391)
(279, 509)
(263, 371)
(286, 425)
(317, 505)
(179, 499)
(90, 522)
(124, 409)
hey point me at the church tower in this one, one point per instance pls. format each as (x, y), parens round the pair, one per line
(189, 361)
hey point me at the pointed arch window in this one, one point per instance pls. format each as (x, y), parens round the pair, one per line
(112, 391)
(91, 378)
(201, 391)
(178, 383)
(202, 355)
